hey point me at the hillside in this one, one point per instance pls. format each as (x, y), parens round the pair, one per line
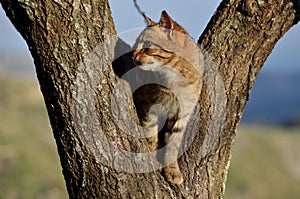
(275, 99)
(265, 163)
(29, 166)
(17, 64)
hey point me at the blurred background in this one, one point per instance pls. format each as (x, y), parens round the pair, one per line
(266, 156)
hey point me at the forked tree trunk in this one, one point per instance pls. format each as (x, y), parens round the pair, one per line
(73, 43)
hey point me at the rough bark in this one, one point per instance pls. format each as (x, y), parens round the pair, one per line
(73, 43)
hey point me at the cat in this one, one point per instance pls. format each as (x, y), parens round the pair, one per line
(172, 64)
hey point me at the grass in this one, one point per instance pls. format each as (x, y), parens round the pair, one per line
(29, 165)
(265, 164)
(265, 161)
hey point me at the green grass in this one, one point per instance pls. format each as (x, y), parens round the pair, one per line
(29, 165)
(265, 161)
(265, 164)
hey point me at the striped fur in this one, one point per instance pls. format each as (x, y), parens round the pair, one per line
(166, 54)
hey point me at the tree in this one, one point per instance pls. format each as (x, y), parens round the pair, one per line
(63, 37)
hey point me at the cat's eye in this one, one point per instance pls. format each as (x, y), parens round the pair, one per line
(147, 44)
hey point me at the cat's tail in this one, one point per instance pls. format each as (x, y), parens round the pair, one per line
(139, 9)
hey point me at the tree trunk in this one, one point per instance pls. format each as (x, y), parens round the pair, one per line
(73, 43)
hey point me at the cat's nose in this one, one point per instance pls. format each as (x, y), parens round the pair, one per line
(135, 58)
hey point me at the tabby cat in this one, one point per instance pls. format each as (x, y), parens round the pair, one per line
(174, 64)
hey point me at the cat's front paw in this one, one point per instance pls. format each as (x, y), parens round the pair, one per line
(173, 175)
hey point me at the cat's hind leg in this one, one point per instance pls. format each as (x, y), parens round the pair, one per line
(172, 171)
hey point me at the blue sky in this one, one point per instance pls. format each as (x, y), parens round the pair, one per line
(193, 15)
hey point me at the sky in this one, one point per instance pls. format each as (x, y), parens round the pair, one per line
(193, 15)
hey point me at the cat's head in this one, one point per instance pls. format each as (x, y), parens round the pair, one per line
(160, 42)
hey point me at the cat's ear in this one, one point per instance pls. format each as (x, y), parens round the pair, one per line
(149, 21)
(166, 21)
(175, 30)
